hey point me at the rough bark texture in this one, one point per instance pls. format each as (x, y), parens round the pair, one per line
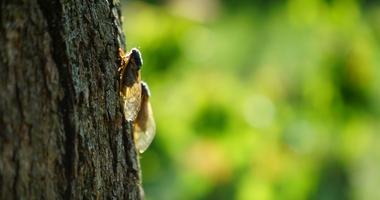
(62, 133)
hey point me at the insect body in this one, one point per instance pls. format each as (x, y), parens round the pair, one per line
(135, 99)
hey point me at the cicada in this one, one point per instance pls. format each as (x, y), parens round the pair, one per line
(135, 96)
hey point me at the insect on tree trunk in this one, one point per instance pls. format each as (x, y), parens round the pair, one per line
(62, 133)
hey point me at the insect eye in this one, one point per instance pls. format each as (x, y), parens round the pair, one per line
(136, 57)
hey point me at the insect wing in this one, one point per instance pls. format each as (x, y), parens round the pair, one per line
(144, 126)
(144, 134)
(130, 86)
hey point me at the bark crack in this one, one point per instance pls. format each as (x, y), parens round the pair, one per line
(17, 170)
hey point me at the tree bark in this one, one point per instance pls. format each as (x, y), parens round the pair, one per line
(62, 133)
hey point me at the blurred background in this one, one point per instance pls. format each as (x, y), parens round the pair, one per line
(259, 99)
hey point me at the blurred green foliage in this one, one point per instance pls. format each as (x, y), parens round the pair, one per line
(260, 99)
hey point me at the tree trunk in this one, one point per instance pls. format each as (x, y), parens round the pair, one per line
(62, 133)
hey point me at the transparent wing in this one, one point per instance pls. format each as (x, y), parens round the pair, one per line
(132, 101)
(145, 128)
